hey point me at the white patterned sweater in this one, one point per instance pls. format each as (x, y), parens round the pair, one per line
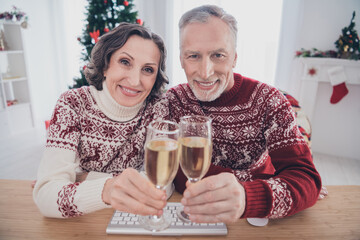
(90, 132)
(255, 136)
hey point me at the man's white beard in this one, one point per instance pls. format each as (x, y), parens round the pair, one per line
(207, 96)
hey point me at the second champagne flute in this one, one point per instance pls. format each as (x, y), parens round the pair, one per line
(195, 150)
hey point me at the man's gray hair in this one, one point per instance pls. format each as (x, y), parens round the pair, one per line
(202, 14)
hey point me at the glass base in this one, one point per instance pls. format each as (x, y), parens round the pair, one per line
(259, 222)
(182, 215)
(155, 223)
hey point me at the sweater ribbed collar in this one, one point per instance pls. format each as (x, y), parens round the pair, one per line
(225, 98)
(111, 108)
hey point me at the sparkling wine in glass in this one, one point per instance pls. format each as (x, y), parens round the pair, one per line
(161, 165)
(195, 150)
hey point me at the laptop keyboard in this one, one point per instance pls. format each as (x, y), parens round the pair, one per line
(127, 223)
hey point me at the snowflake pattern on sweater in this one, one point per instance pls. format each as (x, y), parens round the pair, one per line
(101, 144)
(66, 201)
(252, 124)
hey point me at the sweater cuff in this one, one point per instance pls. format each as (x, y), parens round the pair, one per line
(96, 175)
(89, 196)
(258, 199)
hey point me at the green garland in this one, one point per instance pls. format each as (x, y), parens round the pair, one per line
(348, 45)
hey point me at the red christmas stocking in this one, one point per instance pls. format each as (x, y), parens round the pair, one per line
(337, 79)
(339, 91)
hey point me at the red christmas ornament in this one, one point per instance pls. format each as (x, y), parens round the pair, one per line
(126, 3)
(84, 67)
(139, 21)
(95, 35)
(79, 39)
(312, 71)
(105, 1)
(106, 29)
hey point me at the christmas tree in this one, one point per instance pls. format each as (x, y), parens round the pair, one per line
(348, 43)
(101, 17)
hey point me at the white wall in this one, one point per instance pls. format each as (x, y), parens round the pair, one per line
(318, 23)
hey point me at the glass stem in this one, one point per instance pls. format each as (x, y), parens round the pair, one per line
(156, 217)
(193, 180)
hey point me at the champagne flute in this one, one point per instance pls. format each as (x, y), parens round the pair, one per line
(161, 165)
(195, 150)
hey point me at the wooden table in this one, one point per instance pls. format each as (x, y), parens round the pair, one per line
(335, 217)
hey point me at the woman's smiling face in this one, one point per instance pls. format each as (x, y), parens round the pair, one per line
(132, 71)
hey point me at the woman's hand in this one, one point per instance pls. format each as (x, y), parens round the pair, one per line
(218, 198)
(132, 193)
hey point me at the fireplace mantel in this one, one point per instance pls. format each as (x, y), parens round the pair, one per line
(315, 70)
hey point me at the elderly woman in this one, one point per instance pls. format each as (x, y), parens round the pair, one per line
(100, 130)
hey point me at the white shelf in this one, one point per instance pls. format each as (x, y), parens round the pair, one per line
(8, 22)
(14, 84)
(11, 52)
(14, 79)
(19, 105)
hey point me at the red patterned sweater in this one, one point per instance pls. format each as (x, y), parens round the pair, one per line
(255, 137)
(89, 132)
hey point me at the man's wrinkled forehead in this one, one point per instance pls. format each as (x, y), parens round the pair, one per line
(208, 29)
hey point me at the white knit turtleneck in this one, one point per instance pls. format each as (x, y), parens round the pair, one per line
(111, 108)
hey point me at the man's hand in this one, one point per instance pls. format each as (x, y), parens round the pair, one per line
(132, 193)
(218, 198)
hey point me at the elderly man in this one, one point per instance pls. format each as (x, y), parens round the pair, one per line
(261, 165)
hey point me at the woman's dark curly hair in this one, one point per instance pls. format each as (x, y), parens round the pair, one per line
(111, 42)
